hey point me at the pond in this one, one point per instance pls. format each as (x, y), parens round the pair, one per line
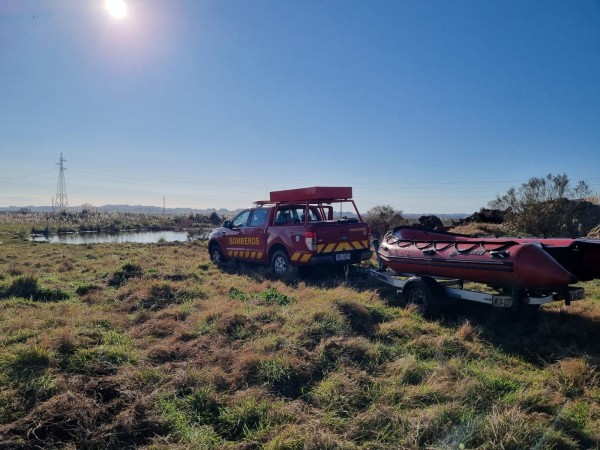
(144, 237)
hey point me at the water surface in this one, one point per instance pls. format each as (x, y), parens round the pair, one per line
(144, 237)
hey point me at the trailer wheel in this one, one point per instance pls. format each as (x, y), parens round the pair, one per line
(280, 264)
(419, 295)
(519, 308)
(216, 254)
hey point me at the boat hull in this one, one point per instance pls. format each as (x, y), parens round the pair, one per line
(525, 263)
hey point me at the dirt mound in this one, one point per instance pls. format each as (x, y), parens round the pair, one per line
(594, 232)
(582, 218)
(431, 222)
(485, 215)
(480, 229)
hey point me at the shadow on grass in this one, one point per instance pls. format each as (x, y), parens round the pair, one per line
(323, 277)
(541, 338)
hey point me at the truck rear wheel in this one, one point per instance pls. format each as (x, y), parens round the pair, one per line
(280, 264)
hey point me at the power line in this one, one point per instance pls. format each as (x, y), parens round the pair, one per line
(26, 176)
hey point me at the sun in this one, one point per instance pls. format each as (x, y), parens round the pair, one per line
(116, 8)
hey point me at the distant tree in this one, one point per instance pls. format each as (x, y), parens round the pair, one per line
(87, 209)
(542, 206)
(214, 218)
(383, 218)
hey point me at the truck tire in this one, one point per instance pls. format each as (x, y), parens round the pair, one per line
(216, 254)
(280, 264)
(419, 295)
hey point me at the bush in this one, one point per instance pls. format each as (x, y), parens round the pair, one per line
(27, 287)
(159, 296)
(383, 218)
(129, 270)
(547, 207)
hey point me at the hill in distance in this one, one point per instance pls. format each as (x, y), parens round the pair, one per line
(157, 210)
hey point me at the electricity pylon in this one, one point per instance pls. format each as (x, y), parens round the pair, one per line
(62, 203)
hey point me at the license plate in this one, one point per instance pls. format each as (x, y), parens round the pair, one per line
(342, 257)
(501, 301)
(576, 294)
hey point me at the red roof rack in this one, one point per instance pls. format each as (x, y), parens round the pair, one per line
(316, 193)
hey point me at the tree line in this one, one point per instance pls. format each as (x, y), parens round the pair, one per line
(550, 206)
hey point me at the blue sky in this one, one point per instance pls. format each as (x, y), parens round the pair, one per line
(428, 106)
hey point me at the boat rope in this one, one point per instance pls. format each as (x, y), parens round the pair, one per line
(442, 245)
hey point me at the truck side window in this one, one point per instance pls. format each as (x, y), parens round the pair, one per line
(241, 219)
(258, 217)
(313, 215)
(283, 217)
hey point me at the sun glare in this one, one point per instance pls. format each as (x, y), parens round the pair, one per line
(116, 8)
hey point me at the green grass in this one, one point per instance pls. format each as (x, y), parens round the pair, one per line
(154, 347)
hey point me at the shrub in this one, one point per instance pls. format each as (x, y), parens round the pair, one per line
(236, 294)
(244, 417)
(272, 297)
(323, 325)
(361, 320)
(24, 287)
(27, 287)
(101, 360)
(283, 375)
(547, 207)
(342, 394)
(159, 296)
(129, 270)
(85, 288)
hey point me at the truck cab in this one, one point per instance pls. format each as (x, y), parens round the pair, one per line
(297, 227)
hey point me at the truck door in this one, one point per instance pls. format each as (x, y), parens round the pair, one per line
(255, 238)
(232, 239)
(247, 238)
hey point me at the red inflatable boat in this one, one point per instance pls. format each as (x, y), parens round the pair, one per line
(510, 262)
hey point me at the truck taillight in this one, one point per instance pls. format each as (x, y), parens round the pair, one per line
(310, 238)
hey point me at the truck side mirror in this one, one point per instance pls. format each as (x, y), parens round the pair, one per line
(227, 224)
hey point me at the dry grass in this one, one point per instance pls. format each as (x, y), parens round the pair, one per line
(152, 346)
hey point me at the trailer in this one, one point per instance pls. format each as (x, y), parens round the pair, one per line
(427, 294)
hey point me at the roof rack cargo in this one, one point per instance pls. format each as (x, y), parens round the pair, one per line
(321, 193)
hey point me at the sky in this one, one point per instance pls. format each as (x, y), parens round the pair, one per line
(427, 106)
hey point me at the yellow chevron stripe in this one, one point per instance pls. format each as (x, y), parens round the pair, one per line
(320, 248)
(357, 245)
(343, 246)
(252, 255)
(259, 255)
(231, 253)
(295, 256)
(305, 257)
(329, 248)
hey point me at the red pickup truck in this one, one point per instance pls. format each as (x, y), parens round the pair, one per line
(296, 227)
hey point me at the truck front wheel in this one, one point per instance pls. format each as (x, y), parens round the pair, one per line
(280, 264)
(216, 254)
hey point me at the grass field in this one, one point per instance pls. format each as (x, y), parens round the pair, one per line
(152, 346)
